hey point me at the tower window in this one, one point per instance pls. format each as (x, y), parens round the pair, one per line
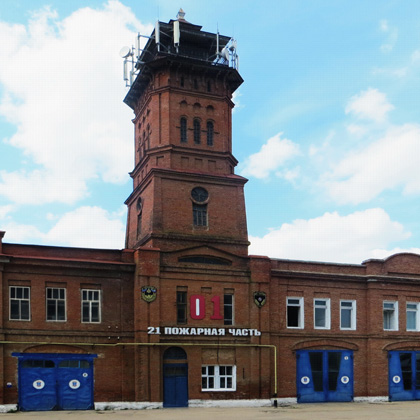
(183, 124)
(199, 196)
(208, 86)
(197, 131)
(195, 84)
(210, 133)
(139, 216)
(182, 81)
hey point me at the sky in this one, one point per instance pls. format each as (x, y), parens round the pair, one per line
(326, 125)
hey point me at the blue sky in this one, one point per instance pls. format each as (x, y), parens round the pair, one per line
(326, 124)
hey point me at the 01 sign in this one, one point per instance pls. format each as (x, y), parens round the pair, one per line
(198, 307)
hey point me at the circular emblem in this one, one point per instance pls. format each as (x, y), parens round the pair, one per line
(305, 380)
(148, 293)
(346, 357)
(38, 384)
(345, 380)
(85, 375)
(74, 384)
(396, 379)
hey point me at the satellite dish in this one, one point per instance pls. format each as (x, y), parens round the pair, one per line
(225, 53)
(125, 52)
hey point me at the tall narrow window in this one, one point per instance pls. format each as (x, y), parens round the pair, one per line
(322, 313)
(91, 305)
(294, 312)
(412, 316)
(183, 124)
(390, 313)
(181, 307)
(199, 197)
(210, 133)
(182, 81)
(139, 216)
(208, 86)
(197, 131)
(19, 303)
(56, 304)
(228, 309)
(348, 315)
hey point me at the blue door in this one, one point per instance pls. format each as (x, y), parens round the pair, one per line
(404, 375)
(324, 375)
(175, 385)
(55, 381)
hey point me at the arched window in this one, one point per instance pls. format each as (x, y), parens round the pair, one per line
(183, 124)
(197, 131)
(139, 216)
(199, 198)
(210, 133)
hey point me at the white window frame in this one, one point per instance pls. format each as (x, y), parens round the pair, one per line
(217, 376)
(20, 302)
(90, 301)
(56, 302)
(414, 308)
(301, 314)
(352, 310)
(326, 306)
(387, 308)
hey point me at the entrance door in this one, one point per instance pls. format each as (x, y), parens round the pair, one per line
(404, 375)
(324, 375)
(55, 381)
(175, 378)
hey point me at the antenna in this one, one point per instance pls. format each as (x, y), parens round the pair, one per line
(157, 35)
(176, 34)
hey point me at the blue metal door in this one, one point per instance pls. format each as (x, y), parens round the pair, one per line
(55, 381)
(404, 375)
(324, 375)
(175, 385)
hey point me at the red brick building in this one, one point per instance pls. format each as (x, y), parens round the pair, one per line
(183, 315)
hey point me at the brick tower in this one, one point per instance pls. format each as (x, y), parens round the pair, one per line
(185, 191)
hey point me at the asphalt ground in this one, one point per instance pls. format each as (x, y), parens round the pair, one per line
(337, 411)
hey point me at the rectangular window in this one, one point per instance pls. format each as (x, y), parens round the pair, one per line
(56, 304)
(19, 303)
(228, 309)
(390, 312)
(347, 314)
(181, 307)
(295, 312)
(200, 214)
(412, 316)
(91, 305)
(322, 313)
(218, 378)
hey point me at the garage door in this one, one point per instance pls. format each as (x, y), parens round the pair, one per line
(55, 381)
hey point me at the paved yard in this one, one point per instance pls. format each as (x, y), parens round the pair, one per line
(336, 411)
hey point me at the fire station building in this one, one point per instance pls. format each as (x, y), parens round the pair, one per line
(184, 316)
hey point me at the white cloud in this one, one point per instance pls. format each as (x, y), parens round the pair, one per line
(270, 158)
(331, 237)
(392, 36)
(91, 227)
(356, 130)
(369, 104)
(389, 162)
(63, 90)
(5, 210)
(87, 227)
